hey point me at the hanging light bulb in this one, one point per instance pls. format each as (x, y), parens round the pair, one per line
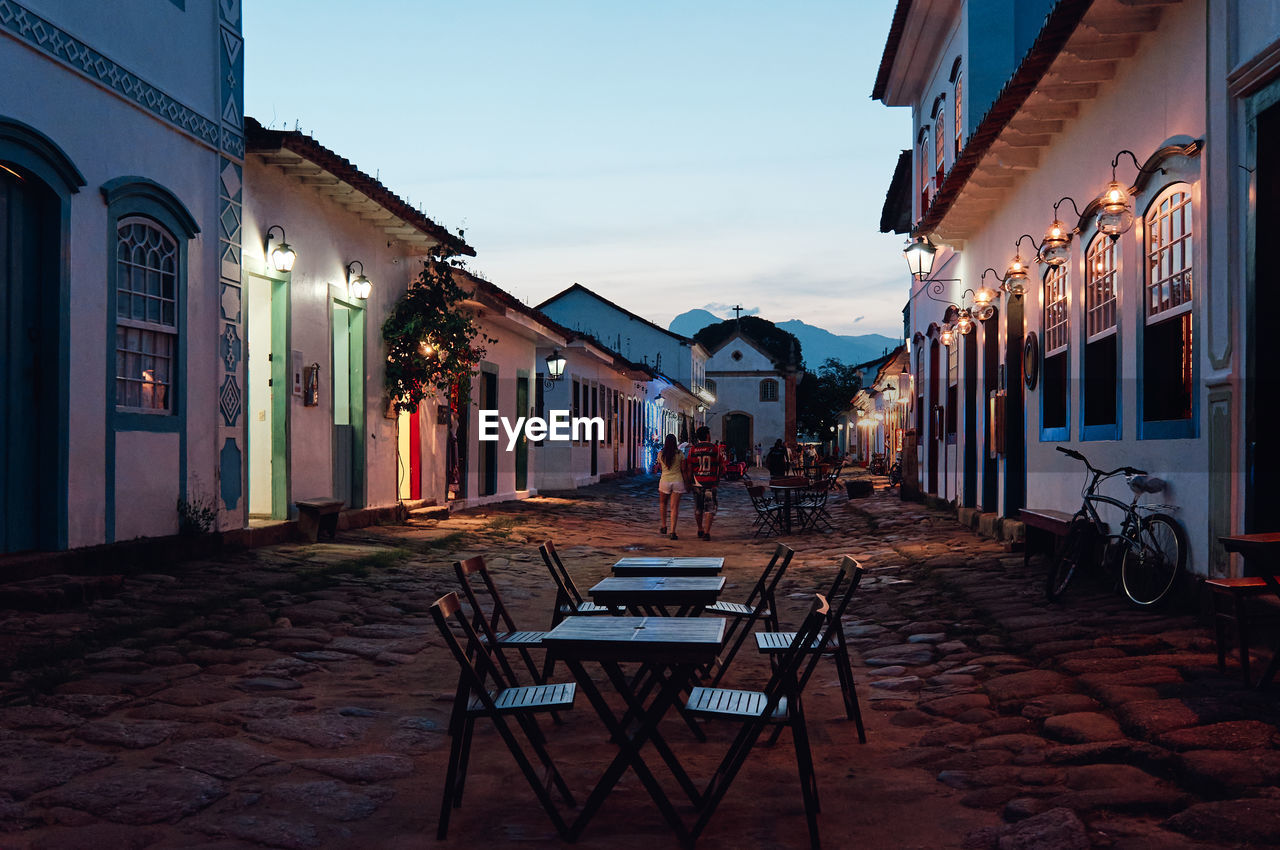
(964, 322)
(948, 336)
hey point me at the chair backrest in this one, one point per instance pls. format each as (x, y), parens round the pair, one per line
(847, 577)
(772, 574)
(564, 581)
(499, 619)
(474, 674)
(784, 680)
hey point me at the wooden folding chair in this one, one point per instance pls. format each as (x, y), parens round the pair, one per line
(497, 630)
(759, 605)
(483, 691)
(767, 519)
(779, 704)
(831, 641)
(569, 601)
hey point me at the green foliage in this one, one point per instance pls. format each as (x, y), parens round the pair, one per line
(429, 338)
(822, 396)
(781, 345)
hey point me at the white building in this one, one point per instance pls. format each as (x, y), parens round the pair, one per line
(755, 392)
(1143, 350)
(120, 185)
(637, 339)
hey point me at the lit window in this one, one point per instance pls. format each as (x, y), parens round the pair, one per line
(1101, 352)
(959, 117)
(146, 315)
(940, 138)
(1053, 398)
(710, 384)
(768, 390)
(1167, 359)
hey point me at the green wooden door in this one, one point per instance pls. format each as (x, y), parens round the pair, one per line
(522, 445)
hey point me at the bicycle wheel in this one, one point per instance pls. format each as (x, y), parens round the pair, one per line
(1075, 549)
(1151, 566)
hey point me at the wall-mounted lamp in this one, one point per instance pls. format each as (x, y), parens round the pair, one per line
(1115, 204)
(920, 254)
(555, 368)
(359, 286)
(282, 256)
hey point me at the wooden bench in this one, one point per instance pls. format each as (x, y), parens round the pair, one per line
(316, 515)
(1053, 523)
(1238, 592)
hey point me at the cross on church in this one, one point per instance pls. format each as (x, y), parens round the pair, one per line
(737, 311)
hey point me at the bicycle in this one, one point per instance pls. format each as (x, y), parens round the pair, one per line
(1151, 545)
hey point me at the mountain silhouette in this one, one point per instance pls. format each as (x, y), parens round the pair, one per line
(816, 344)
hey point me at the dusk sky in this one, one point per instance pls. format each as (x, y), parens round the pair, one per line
(668, 155)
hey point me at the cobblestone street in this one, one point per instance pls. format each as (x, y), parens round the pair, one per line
(296, 696)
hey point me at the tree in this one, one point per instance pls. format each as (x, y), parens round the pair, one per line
(821, 396)
(781, 345)
(429, 338)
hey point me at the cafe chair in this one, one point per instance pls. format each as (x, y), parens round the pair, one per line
(743, 616)
(569, 600)
(830, 641)
(768, 514)
(497, 631)
(484, 691)
(812, 507)
(778, 705)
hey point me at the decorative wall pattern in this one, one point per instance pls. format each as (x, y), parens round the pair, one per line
(57, 43)
(231, 469)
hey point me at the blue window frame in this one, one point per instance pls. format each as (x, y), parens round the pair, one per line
(1168, 397)
(1055, 385)
(1100, 361)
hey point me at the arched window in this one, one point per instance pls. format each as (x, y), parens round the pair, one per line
(1101, 349)
(768, 390)
(958, 96)
(1054, 339)
(146, 299)
(924, 159)
(1168, 362)
(940, 135)
(710, 385)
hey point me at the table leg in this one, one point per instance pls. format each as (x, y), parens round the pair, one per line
(629, 748)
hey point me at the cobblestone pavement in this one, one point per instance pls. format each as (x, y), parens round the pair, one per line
(296, 697)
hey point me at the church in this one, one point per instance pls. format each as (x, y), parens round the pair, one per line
(753, 377)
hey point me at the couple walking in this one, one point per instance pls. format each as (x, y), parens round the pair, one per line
(700, 472)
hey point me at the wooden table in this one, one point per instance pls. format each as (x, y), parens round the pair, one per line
(657, 566)
(670, 649)
(688, 595)
(1262, 551)
(786, 486)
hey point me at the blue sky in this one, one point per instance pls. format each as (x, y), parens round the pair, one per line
(668, 155)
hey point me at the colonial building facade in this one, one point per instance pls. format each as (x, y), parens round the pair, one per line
(755, 394)
(120, 282)
(1135, 142)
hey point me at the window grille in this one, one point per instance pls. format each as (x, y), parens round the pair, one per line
(768, 390)
(1100, 291)
(146, 315)
(959, 117)
(1168, 255)
(1055, 310)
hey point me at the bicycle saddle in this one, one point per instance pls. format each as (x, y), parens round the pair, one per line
(1146, 484)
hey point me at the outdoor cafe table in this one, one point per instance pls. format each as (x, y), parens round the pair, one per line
(687, 594)
(658, 566)
(671, 649)
(1262, 552)
(787, 486)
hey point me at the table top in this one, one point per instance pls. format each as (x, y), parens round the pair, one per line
(1246, 543)
(657, 590)
(788, 485)
(658, 566)
(671, 639)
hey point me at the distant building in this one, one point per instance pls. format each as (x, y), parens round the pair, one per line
(755, 392)
(681, 359)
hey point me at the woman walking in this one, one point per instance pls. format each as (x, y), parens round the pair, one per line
(671, 465)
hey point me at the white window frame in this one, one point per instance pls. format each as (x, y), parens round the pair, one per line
(158, 329)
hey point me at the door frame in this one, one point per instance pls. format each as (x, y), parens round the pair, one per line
(355, 392)
(281, 480)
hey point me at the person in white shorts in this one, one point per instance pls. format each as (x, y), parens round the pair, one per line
(671, 485)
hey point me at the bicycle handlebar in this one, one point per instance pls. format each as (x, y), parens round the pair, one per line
(1127, 470)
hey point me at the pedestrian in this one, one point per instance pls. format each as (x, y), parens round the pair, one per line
(758, 457)
(707, 463)
(671, 466)
(776, 461)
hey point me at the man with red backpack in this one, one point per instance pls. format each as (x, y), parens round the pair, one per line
(707, 463)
